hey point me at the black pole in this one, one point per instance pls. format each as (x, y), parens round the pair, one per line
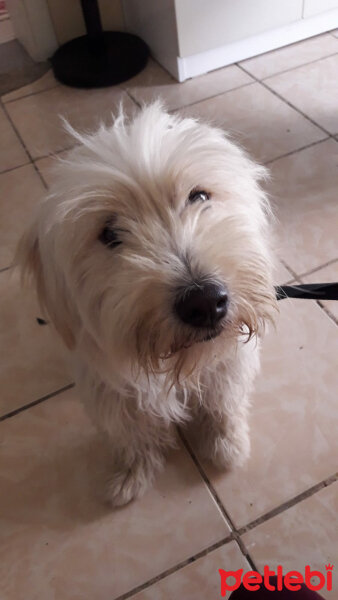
(99, 58)
(92, 19)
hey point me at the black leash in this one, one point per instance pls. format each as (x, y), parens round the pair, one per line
(311, 291)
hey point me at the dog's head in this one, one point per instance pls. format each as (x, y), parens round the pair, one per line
(151, 251)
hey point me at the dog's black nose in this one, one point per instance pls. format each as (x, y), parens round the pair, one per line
(203, 305)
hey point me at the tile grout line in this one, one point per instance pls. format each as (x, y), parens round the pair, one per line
(311, 62)
(25, 407)
(175, 568)
(290, 269)
(129, 94)
(289, 504)
(272, 160)
(35, 160)
(327, 312)
(52, 87)
(23, 144)
(269, 89)
(315, 269)
(56, 153)
(17, 167)
(16, 130)
(34, 93)
(218, 502)
(239, 87)
(39, 175)
(297, 109)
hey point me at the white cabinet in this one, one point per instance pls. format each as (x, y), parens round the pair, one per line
(315, 7)
(191, 37)
(206, 24)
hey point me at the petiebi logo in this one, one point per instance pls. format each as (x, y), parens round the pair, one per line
(292, 580)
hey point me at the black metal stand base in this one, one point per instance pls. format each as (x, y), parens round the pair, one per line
(112, 58)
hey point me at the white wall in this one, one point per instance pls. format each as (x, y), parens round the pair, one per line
(33, 27)
(315, 7)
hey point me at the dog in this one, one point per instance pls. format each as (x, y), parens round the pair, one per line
(152, 259)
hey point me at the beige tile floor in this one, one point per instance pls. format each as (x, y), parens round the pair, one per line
(58, 539)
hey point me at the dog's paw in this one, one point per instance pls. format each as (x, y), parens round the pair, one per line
(226, 453)
(127, 485)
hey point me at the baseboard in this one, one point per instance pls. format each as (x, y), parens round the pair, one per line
(197, 64)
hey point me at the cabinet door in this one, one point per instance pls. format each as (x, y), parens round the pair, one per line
(206, 24)
(314, 7)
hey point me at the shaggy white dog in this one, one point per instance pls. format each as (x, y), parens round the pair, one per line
(151, 258)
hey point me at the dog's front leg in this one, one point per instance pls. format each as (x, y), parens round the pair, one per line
(138, 441)
(221, 429)
(222, 436)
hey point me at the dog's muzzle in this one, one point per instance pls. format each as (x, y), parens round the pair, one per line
(202, 306)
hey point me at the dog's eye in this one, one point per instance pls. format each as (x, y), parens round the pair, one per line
(198, 196)
(108, 237)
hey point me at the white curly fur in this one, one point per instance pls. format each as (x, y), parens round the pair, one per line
(140, 370)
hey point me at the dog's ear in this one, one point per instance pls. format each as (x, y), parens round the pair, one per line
(50, 284)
